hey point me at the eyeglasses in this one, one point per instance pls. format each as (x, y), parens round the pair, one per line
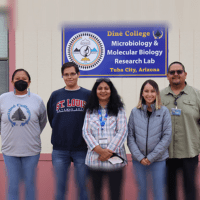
(72, 74)
(107, 80)
(172, 72)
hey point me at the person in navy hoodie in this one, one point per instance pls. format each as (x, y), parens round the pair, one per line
(65, 110)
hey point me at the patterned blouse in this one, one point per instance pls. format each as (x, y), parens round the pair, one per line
(115, 130)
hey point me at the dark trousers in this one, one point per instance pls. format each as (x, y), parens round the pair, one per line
(188, 166)
(115, 180)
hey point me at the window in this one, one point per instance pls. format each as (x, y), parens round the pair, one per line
(4, 65)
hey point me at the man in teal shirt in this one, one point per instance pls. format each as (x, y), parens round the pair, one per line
(183, 101)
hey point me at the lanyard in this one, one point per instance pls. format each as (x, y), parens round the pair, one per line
(102, 121)
(176, 98)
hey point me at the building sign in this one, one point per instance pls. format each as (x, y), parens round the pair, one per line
(117, 51)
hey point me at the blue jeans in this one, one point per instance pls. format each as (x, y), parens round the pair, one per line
(158, 173)
(18, 168)
(61, 162)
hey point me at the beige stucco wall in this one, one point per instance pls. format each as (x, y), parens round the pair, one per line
(3, 3)
(38, 40)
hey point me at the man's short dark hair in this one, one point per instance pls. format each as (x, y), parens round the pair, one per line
(176, 62)
(70, 64)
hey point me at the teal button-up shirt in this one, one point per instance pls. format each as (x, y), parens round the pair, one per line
(185, 128)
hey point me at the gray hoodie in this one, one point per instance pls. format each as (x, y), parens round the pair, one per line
(149, 137)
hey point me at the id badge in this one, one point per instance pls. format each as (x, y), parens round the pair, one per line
(176, 111)
(103, 141)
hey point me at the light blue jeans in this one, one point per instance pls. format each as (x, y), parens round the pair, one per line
(19, 168)
(158, 174)
(61, 162)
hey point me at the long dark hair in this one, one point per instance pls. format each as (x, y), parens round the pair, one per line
(114, 103)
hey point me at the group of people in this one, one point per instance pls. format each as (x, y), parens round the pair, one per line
(89, 128)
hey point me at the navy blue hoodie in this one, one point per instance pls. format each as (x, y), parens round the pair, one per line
(65, 110)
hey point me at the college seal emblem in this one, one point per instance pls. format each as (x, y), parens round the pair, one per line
(86, 49)
(157, 34)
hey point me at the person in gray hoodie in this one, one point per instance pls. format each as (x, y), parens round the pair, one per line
(149, 136)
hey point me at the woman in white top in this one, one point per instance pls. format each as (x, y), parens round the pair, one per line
(23, 117)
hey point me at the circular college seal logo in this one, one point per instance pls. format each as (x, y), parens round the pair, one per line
(157, 34)
(86, 49)
(19, 115)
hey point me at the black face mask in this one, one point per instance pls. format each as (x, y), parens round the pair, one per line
(21, 85)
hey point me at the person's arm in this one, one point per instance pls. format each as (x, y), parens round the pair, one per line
(105, 154)
(42, 116)
(121, 135)
(164, 143)
(135, 151)
(92, 142)
(50, 111)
